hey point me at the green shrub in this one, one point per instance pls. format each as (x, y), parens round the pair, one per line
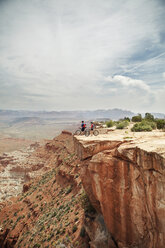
(124, 119)
(141, 127)
(127, 119)
(109, 123)
(122, 125)
(82, 232)
(86, 204)
(50, 236)
(76, 219)
(19, 218)
(68, 189)
(36, 246)
(74, 229)
(137, 118)
(151, 123)
(149, 117)
(160, 123)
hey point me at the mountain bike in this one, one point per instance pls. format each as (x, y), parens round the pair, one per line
(79, 132)
(87, 132)
(95, 132)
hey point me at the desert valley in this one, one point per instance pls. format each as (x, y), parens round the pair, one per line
(83, 191)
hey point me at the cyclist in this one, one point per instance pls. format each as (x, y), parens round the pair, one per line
(83, 126)
(92, 126)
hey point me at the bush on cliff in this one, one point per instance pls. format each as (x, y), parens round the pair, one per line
(109, 123)
(122, 124)
(124, 119)
(160, 123)
(137, 118)
(127, 119)
(151, 123)
(86, 204)
(143, 126)
(149, 117)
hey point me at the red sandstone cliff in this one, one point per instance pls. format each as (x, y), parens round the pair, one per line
(125, 183)
(123, 179)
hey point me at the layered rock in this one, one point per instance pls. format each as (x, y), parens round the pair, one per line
(126, 183)
(48, 212)
(16, 168)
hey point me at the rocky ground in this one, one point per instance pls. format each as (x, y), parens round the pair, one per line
(8, 144)
(18, 167)
(122, 173)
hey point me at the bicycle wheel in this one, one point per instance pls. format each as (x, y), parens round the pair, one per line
(78, 132)
(87, 133)
(95, 132)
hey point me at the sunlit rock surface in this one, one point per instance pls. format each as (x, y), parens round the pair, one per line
(125, 181)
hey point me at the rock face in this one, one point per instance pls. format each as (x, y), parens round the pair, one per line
(122, 176)
(126, 183)
(98, 233)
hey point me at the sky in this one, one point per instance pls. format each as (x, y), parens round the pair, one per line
(82, 55)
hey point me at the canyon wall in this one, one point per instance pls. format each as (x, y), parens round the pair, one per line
(48, 212)
(125, 183)
(122, 174)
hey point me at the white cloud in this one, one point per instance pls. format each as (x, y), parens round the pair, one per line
(66, 48)
(128, 82)
(163, 75)
(159, 100)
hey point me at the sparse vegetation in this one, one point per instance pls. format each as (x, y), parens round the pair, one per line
(147, 124)
(82, 232)
(122, 124)
(109, 123)
(127, 119)
(86, 204)
(127, 137)
(160, 123)
(149, 117)
(74, 229)
(36, 246)
(76, 219)
(68, 189)
(137, 118)
(141, 127)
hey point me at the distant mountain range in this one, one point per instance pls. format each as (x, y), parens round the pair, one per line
(159, 115)
(34, 116)
(46, 125)
(26, 120)
(79, 115)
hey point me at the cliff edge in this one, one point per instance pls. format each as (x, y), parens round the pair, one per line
(123, 205)
(124, 178)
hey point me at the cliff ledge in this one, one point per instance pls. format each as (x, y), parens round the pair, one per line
(124, 178)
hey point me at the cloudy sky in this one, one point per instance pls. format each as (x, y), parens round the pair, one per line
(79, 55)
